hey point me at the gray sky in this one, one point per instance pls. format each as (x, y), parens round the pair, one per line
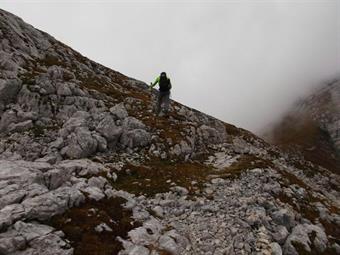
(244, 62)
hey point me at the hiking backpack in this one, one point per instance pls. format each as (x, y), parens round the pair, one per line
(164, 83)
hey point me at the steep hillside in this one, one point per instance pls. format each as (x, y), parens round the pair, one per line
(312, 128)
(87, 168)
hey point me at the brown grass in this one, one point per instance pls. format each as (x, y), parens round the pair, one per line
(79, 223)
(156, 176)
(301, 134)
(245, 162)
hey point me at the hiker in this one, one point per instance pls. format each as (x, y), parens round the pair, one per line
(163, 94)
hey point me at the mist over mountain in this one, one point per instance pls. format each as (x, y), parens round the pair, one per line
(312, 127)
(87, 167)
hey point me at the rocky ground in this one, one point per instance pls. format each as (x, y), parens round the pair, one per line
(86, 168)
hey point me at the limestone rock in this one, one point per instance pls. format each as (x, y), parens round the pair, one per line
(306, 235)
(80, 144)
(135, 138)
(119, 111)
(108, 129)
(284, 217)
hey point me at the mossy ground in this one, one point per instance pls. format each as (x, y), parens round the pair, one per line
(245, 162)
(79, 224)
(157, 176)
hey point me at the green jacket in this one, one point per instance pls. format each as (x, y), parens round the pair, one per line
(157, 81)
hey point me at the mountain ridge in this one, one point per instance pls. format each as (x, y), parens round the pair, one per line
(312, 127)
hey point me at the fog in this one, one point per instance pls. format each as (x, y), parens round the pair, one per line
(244, 62)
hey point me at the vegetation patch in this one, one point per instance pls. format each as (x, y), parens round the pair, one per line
(303, 207)
(290, 178)
(79, 225)
(158, 176)
(244, 162)
(301, 134)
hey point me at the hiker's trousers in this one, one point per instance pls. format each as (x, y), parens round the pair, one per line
(163, 99)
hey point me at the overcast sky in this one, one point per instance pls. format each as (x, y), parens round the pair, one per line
(244, 62)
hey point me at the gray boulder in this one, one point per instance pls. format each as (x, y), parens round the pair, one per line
(276, 249)
(101, 141)
(81, 144)
(210, 135)
(10, 194)
(56, 73)
(306, 236)
(119, 111)
(168, 244)
(94, 193)
(78, 119)
(21, 126)
(173, 243)
(135, 138)
(63, 89)
(55, 202)
(132, 249)
(284, 217)
(140, 236)
(98, 182)
(10, 214)
(280, 234)
(8, 90)
(7, 118)
(31, 231)
(108, 129)
(30, 101)
(56, 178)
(81, 166)
(131, 123)
(31, 239)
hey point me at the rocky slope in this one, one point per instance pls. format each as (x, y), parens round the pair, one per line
(312, 127)
(86, 168)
